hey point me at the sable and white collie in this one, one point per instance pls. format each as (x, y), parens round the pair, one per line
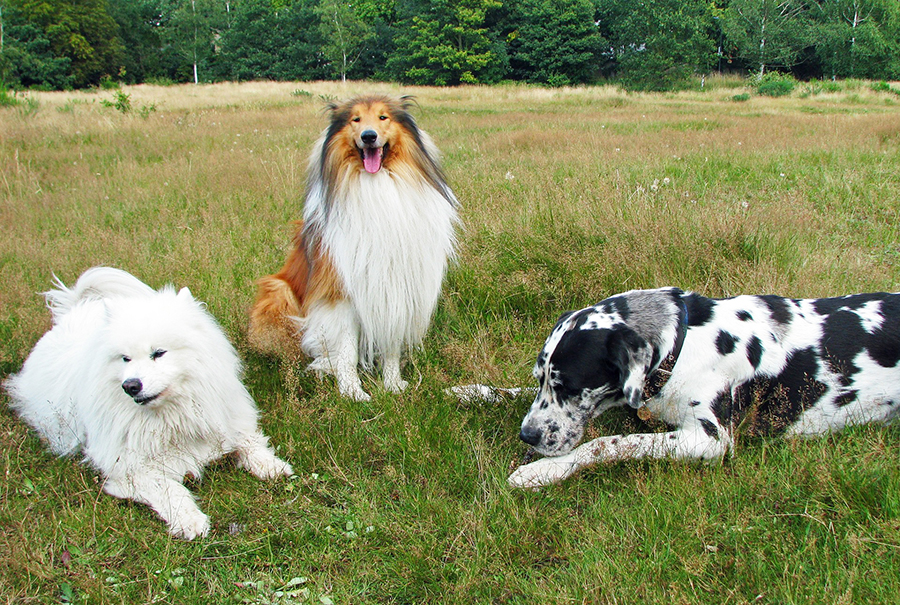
(364, 273)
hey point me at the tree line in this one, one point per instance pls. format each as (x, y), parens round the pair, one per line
(641, 44)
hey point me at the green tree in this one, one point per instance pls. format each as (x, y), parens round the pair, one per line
(768, 33)
(344, 33)
(447, 42)
(855, 38)
(554, 42)
(189, 28)
(26, 57)
(140, 23)
(658, 44)
(82, 31)
(272, 41)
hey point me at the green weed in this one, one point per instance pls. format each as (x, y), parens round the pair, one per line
(774, 84)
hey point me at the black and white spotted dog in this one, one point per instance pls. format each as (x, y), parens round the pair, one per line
(769, 364)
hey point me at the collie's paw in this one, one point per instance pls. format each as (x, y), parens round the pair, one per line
(320, 365)
(355, 392)
(189, 525)
(397, 385)
(542, 472)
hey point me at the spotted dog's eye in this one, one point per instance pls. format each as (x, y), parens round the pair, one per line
(157, 354)
(126, 358)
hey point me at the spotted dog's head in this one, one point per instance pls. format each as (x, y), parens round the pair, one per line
(598, 358)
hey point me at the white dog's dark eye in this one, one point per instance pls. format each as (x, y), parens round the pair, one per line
(157, 354)
(126, 358)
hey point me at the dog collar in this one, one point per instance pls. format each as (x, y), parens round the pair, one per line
(657, 380)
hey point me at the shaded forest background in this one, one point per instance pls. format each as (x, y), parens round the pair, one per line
(645, 45)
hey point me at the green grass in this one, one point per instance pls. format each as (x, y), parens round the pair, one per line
(569, 195)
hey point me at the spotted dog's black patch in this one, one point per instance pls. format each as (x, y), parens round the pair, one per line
(709, 427)
(699, 308)
(616, 304)
(722, 408)
(845, 398)
(843, 338)
(744, 316)
(854, 302)
(579, 318)
(779, 308)
(755, 352)
(770, 404)
(725, 342)
(585, 360)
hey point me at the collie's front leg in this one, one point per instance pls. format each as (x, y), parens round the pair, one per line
(391, 373)
(332, 339)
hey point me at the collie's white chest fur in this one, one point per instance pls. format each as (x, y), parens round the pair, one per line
(390, 242)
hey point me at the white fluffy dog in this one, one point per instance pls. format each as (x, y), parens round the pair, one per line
(147, 386)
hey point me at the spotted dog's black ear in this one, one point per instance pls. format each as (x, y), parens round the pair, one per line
(632, 356)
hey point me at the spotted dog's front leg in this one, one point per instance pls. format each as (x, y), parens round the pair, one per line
(689, 444)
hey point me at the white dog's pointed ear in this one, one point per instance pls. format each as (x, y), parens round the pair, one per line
(185, 294)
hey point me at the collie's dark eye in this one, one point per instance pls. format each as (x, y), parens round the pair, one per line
(157, 354)
(356, 119)
(382, 117)
(126, 358)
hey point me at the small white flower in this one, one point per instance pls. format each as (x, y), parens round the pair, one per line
(509, 176)
(666, 181)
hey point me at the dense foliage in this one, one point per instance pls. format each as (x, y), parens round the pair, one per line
(649, 45)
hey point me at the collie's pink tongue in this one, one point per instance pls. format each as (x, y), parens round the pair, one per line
(372, 159)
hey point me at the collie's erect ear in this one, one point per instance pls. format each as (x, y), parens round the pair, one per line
(407, 102)
(632, 355)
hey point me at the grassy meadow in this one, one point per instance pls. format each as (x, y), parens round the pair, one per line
(569, 195)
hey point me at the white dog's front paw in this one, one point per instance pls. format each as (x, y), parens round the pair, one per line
(189, 525)
(543, 472)
(263, 464)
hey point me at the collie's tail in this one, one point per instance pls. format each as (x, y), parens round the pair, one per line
(94, 284)
(275, 320)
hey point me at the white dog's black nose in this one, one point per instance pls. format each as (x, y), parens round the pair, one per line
(132, 386)
(369, 137)
(529, 435)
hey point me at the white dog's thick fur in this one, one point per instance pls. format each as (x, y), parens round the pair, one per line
(146, 385)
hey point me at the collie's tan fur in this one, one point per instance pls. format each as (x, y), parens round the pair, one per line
(282, 299)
